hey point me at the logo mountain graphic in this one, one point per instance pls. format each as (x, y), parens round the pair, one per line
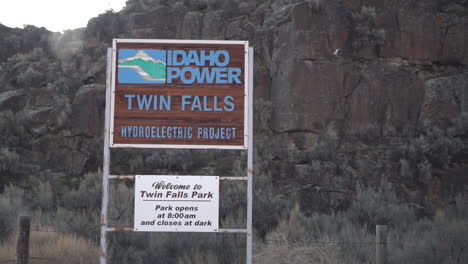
(146, 66)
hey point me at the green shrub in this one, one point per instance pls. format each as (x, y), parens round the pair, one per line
(443, 239)
(121, 203)
(196, 257)
(8, 160)
(11, 206)
(348, 236)
(372, 206)
(87, 196)
(366, 33)
(318, 238)
(42, 197)
(176, 247)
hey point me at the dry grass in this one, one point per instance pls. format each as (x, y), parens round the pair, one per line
(285, 245)
(54, 248)
(293, 254)
(7, 251)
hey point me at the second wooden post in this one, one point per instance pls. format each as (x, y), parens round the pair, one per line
(22, 243)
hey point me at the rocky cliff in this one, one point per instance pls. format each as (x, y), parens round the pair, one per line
(348, 90)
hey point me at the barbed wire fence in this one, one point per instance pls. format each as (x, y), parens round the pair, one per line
(381, 243)
(22, 246)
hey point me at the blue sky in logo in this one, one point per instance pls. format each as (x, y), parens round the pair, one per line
(129, 75)
(155, 54)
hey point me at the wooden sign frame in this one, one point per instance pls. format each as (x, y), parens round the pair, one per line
(215, 144)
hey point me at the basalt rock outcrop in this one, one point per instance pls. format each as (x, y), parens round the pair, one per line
(322, 69)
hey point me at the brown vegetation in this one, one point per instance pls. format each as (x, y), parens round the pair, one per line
(54, 248)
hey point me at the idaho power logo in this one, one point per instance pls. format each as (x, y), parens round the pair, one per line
(182, 66)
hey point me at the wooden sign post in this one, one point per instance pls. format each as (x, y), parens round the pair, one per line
(192, 94)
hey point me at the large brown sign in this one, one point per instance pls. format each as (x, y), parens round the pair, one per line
(179, 94)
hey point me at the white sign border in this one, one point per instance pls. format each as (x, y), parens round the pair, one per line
(214, 230)
(181, 146)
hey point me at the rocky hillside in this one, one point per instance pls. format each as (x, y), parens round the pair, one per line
(345, 91)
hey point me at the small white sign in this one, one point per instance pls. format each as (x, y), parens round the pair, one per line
(176, 203)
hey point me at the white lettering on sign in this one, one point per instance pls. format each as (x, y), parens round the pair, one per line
(176, 203)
